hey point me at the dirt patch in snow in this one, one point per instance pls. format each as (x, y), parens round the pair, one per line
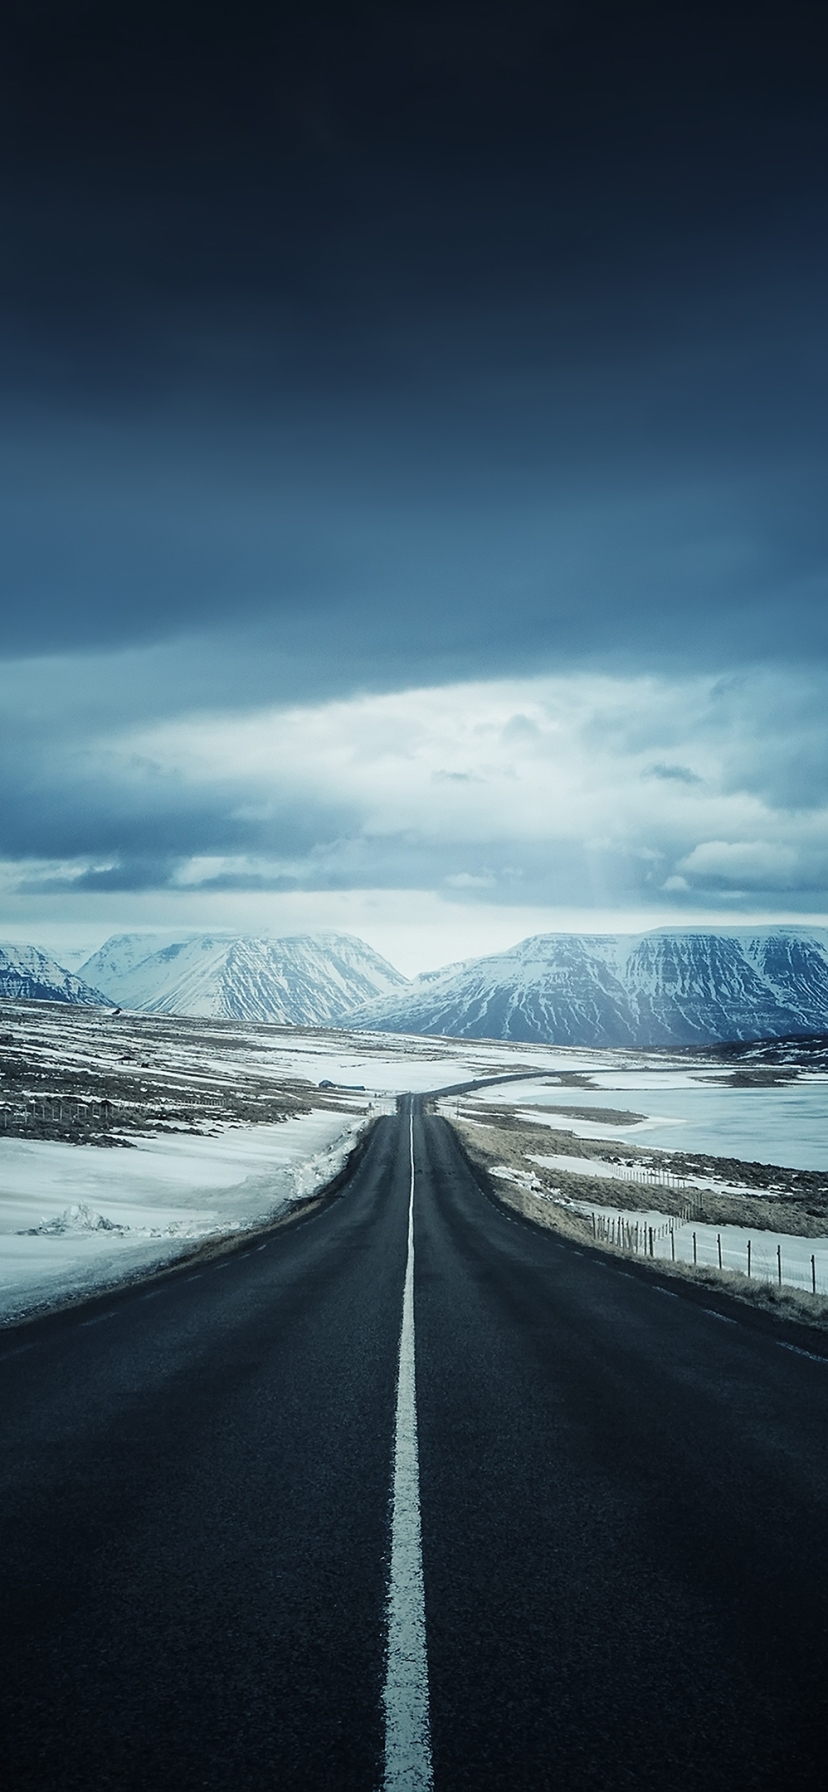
(542, 1209)
(799, 1206)
(86, 1077)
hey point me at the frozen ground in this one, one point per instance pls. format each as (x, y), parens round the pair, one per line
(693, 1110)
(780, 1258)
(74, 1217)
(738, 1138)
(803, 1261)
(610, 1171)
(211, 1127)
(213, 1055)
(395, 1064)
(226, 1123)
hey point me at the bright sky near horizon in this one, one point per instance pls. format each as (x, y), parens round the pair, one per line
(414, 445)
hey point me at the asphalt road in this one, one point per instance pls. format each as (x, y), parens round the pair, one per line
(624, 1513)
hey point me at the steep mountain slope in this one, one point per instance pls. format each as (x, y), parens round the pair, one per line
(668, 987)
(122, 953)
(562, 987)
(796, 965)
(28, 973)
(307, 979)
(695, 987)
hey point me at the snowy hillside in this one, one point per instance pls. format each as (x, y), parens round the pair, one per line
(303, 980)
(668, 987)
(123, 952)
(31, 974)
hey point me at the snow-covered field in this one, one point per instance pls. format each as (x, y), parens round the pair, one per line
(396, 1063)
(774, 1256)
(76, 1217)
(680, 1110)
(782, 1258)
(690, 1109)
(223, 1052)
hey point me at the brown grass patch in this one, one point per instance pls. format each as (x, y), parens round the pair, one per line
(489, 1152)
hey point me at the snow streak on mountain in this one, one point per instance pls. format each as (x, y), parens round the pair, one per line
(668, 987)
(28, 973)
(305, 980)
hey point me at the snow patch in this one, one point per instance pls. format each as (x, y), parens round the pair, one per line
(80, 1217)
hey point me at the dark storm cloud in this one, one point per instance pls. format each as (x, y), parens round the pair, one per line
(119, 820)
(680, 774)
(414, 341)
(349, 349)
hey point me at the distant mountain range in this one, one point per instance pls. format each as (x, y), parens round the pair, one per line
(31, 975)
(669, 987)
(312, 979)
(666, 987)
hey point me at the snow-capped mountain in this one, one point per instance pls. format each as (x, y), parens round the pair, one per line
(304, 980)
(123, 952)
(28, 973)
(667, 987)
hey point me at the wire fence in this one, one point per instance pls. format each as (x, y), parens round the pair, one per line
(56, 1110)
(655, 1176)
(90, 1113)
(783, 1261)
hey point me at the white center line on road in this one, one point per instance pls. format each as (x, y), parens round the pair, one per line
(405, 1696)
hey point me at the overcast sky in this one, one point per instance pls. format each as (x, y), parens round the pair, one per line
(414, 442)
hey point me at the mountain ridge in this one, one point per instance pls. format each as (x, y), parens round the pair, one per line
(667, 986)
(29, 974)
(291, 980)
(662, 987)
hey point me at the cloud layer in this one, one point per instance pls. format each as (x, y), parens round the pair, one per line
(580, 789)
(412, 456)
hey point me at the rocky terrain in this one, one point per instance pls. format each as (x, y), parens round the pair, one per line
(98, 1079)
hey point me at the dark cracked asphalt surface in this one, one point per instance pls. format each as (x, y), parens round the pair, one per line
(624, 1515)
